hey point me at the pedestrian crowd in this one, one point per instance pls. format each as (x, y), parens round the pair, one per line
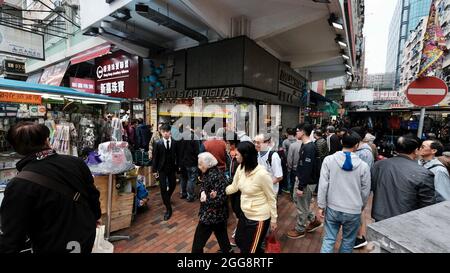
(337, 169)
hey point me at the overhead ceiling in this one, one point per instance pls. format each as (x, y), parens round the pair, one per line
(295, 31)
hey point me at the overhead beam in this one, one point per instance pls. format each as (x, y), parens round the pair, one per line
(155, 16)
(124, 44)
(108, 29)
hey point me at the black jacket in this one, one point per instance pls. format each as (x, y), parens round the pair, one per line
(50, 219)
(305, 165)
(188, 150)
(163, 160)
(322, 148)
(214, 211)
(335, 144)
(400, 185)
(143, 136)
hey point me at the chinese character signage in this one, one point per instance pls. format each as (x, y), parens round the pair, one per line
(20, 98)
(21, 43)
(14, 67)
(85, 85)
(117, 75)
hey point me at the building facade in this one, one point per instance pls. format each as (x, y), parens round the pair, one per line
(412, 54)
(407, 15)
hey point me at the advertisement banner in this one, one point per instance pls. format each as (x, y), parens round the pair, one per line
(21, 43)
(54, 74)
(85, 85)
(117, 75)
(434, 44)
(20, 98)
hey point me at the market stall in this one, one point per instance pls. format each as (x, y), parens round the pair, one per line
(75, 120)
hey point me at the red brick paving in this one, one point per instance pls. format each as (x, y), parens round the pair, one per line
(150, 234)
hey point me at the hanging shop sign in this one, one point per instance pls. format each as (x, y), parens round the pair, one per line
(361, 95)
(386, 95)
(117, 75)
(21, 43)
(85, 85)
(20, 98)
(14, 67)
(291, 78)
(54, 74)
(225, 92)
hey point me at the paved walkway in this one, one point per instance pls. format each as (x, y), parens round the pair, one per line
(151, 234)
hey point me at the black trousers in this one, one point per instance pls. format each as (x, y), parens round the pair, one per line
(203, 232)
(235, 200)
(167, 184)
(251, 234)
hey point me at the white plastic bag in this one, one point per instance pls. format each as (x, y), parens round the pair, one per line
(100, 244)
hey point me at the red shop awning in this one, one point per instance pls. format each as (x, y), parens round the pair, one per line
(90, 54)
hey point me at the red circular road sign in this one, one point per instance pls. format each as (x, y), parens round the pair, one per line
(426, 91)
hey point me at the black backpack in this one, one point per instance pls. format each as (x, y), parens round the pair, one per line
(283, 162)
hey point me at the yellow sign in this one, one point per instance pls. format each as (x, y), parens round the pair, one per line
(20, 98)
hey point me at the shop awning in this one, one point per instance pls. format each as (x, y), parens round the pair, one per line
(53, 92)
(318, 97)
(90, 54)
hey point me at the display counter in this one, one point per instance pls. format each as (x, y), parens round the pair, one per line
(122, 201)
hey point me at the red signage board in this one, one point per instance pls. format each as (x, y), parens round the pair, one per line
(85, 85)
(426, 91)
(118, 75)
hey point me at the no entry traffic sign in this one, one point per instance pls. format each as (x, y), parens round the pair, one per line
(426, 91)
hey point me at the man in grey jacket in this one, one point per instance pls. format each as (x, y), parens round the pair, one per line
(429, 151)
(344, 189)
(399, 184)
(292, 161)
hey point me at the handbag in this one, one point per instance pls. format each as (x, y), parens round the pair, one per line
(100, 244)
(272, 244)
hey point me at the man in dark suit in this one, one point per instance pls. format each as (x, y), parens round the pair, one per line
(333, 141)
(165, 167)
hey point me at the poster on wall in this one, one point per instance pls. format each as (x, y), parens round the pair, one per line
(117, 75)
(21, 43)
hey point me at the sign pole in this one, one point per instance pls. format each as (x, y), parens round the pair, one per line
(421, 121)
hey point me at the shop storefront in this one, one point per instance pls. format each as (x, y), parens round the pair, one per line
(74, 118)
(235, 80)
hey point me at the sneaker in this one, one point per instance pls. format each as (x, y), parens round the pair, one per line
(360, 242)
(232, 242)
(183, 196)
(294, 234)
(314, 225)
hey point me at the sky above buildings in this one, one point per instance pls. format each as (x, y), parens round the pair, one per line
(378, 15)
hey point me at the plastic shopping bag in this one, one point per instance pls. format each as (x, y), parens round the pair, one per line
(272, 244)
(100, 244)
